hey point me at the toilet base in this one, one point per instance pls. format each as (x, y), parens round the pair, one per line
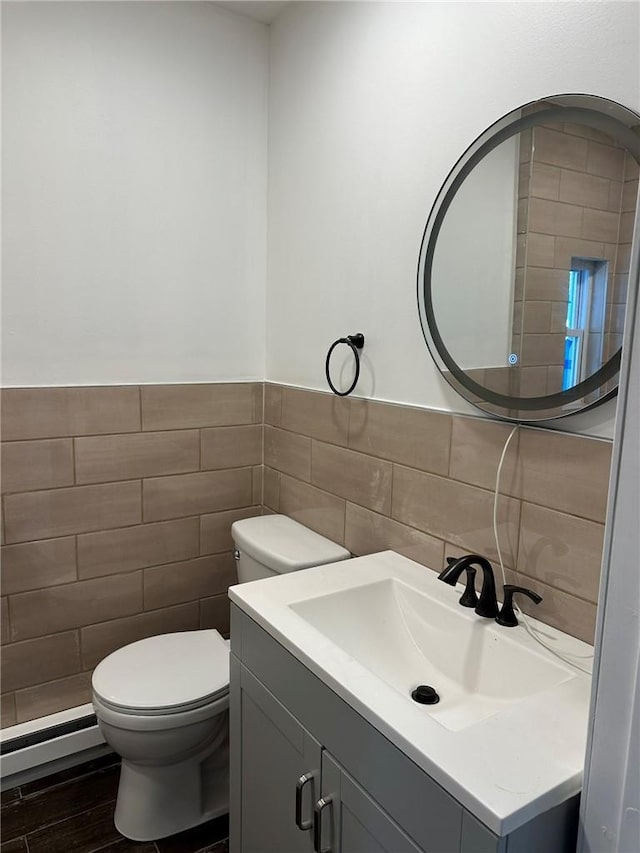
(154, 802)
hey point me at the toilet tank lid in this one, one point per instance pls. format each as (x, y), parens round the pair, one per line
(284, 545)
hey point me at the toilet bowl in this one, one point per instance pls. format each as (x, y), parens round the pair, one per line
(162, 705)
(162, 702)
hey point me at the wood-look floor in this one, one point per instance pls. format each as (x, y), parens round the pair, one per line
(72, 812)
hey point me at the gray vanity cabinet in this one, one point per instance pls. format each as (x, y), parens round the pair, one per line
(276, 752)
(275, 747)
(352, 822)
(285, 723)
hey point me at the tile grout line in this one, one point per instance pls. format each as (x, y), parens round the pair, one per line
(106, 806)
(41, 684)
(55, 823)
(321, 392)
(80, 654)
(450, 447)
(262, 423)
(487, 491)
(54, 786)
(117, 482)
(76, 554)
(142, 518)
(445, 540)
(143, 577)
(115, 573)
(116, 618)
(74, 463)
(141, 429)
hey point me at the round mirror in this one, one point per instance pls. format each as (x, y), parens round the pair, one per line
(524, 263)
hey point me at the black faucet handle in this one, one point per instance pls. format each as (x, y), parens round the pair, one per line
(469, 597)
(486, 604)
(506, 616)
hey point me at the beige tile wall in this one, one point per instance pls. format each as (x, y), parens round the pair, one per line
(118, 502)
(117, 505)
(374, 476)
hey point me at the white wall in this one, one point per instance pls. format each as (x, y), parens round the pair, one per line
(370, 106)
(134, 198)
(134, 155)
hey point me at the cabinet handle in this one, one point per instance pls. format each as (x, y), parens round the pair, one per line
(302, 781)
(317, 824)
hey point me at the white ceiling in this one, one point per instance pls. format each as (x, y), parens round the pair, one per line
(260, 10)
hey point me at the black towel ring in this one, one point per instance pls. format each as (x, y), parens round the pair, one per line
(356, 342)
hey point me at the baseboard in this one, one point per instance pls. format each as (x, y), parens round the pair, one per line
(49, 744)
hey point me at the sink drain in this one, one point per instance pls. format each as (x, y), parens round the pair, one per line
(425, 695)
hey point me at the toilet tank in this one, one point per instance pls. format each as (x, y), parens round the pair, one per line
(270, 545)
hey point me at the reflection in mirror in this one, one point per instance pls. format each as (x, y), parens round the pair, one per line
(576, 201)
(525, 261)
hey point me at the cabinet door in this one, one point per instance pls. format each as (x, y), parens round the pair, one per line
(276, 752)
(349, 821)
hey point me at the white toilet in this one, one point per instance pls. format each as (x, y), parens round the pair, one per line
(162, 703)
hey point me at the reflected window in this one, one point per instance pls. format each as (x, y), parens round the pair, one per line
(586, 306)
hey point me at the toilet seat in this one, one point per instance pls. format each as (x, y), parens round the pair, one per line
(164, 675)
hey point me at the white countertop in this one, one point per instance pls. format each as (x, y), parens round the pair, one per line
(505, 769)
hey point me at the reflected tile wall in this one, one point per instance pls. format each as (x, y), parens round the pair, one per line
(577, 200)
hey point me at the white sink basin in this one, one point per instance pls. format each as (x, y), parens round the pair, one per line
(507, 738)
(407, 637)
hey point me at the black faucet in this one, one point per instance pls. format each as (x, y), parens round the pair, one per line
(487, 604)
(507, 616)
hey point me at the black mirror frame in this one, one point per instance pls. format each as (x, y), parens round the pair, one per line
(527, 408)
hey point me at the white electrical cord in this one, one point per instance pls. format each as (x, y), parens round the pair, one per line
(533, 632)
